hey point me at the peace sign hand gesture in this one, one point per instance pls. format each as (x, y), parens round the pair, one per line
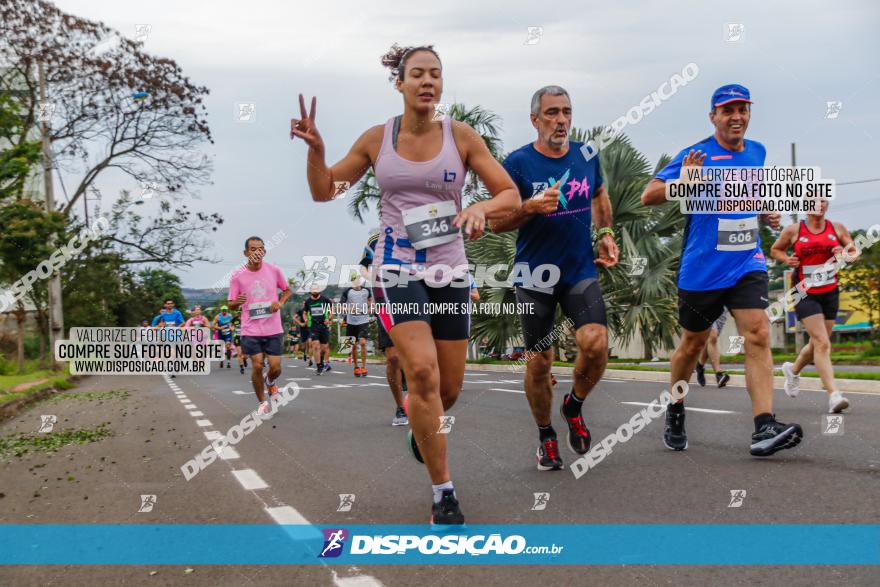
(304, 127)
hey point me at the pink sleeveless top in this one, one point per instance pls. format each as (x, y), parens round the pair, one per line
(418, 202)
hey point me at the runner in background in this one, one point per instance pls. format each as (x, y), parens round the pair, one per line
(710, 353)
(319, 312)
(815, 242)
(393, 371)
(355, 302)
(255, 289)
(301, 320)
(222, 325)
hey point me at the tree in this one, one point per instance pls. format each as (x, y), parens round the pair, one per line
(27, 230)
(18, 156)
(132, 112)
(863, 278)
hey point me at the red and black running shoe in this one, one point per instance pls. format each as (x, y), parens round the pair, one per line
(548, 456)
(578, 436)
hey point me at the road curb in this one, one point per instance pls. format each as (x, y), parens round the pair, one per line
(807, 383)
(12, 408)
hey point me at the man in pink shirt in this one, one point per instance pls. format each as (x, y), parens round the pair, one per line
(254, 289)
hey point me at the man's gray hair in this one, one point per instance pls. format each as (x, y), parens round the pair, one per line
(552, 90)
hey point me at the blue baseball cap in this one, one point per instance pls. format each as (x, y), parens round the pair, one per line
(730, 93)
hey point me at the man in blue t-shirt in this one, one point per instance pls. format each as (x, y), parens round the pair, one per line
(170, 315)
(563, 197)
(722, 266)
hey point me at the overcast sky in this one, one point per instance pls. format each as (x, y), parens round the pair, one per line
(794, 56)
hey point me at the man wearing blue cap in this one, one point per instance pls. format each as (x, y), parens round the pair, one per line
(722, 265)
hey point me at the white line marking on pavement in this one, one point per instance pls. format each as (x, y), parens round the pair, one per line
(286, 515)
(229, 453)
(196, 414)
(203, 423)
(356, 581)
(376, 376)
(249, 479)
(238, 392)
(507, 390)
(213, 435)
(190, 406)
(299, 379)
(707, 410)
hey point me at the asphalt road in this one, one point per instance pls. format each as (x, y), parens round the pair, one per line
(336, 438)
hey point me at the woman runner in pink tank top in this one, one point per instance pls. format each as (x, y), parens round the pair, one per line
(420, 160)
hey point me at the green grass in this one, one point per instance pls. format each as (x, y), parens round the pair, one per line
(21, 443)
(89, 396)
(55, 381)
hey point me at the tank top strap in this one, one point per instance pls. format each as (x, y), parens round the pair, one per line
(387, 145)
(449, 146)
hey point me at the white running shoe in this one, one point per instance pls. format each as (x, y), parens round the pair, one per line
(837, 403)
(264, 408)
(792, 381)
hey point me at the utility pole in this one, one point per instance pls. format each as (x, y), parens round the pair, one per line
(56, 314)
(798, 327)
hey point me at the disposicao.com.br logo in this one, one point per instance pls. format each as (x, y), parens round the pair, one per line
(430, 544)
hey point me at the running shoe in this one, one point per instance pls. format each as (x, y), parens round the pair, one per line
(578, 436)
(837, 403)
(245, 363)
(264, 408)
(413, 447)
(319, 370)
(400, 418)
(228, 365)
(548, 456)
(674, 435)
(326, 366)
(701, 375)
(221, 364)
(721, 379)
(357, 372)
(311, 363)
(552, 379)
(241, 369)
(775, 436)
(792, 381)
(364, 372)
(446, 512)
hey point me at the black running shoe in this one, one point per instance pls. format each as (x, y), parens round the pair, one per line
(578, 436)
(775, 436)
(326, 367)
(241, 369)
(413, 447)
(674, 436)
(446, 512)
(701, 375)
(319, 370)
(548, 456)
(245, 362)
(311, 363)
(722, 379)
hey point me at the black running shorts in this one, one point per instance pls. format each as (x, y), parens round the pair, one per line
(826, 304)
(267, 345)
(582, 303)
(414, 300)
(697, 310)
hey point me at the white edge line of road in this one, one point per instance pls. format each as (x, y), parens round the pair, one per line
(707, 410)
(282, 515)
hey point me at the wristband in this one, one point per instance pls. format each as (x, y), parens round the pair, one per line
(605, 230)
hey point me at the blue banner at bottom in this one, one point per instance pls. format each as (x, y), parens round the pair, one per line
(602, 544)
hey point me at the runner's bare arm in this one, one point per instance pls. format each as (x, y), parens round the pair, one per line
(603, 217)
(505, 196)
(545, 202)
(322, 179)
(655, 193)
(779, 250)
(845, 240)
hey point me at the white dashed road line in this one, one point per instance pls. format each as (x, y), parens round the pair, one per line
(249, 479)
(706, 410)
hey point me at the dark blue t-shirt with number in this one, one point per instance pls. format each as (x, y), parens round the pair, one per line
(718, 249)
(562, 238)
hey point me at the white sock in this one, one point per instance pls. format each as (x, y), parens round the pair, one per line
(438, 490)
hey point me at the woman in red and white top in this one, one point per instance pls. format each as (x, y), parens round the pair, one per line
(816, 243)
